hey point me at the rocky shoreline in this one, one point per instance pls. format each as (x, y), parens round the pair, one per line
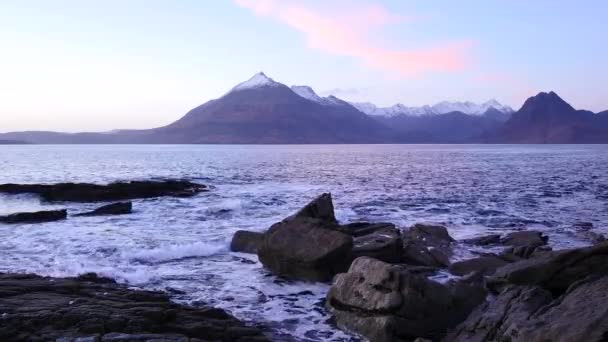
(383, 279)
(380, 285)
(91, 308)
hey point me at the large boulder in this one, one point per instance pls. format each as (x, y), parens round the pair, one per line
(427, 245)
(246, 242)
(381, 241)
(97, 309)
(528, 238)
(35, 217)
(554, 271)
(84, 192)
(120, 208)
(307, 245)
(385, 302)
(484, 264)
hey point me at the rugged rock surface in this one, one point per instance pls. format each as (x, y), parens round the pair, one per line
(385, 302)
(307, 245)
(120, 208)
(485, 240)
(83, 192)
(527, 238)
(96, 309)
(427, 245)
(554, 271)
(381, 241)
(246, 242)
(485, 264)
(35, 217)
(555, 296)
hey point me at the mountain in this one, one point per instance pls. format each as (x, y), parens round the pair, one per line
(439, 108)
(453, 127)
(11, 142)
(547, 119)
(264, 111)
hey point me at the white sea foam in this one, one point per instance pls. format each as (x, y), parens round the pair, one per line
(175, 252)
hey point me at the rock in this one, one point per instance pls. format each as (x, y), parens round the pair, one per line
(416, 253)
(304, 250)
(381, 241)
(498, 320)
(554, 271)
(321, 208)
(483, 240)
(524, 238)
(35, 217)
(597, 238)
(111, 209)
(485, 265)
(84, 192)
(246, 242)
(427, 245)
(431, 235)
(581, 314)
(385, 302)
(531, 313)
(71, 309)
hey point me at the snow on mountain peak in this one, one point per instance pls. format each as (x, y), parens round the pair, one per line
(443, 107)
(258, 80)
(309, 94)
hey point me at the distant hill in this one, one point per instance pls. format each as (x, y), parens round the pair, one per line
(12, 142)
(263, 111)
(548, 119)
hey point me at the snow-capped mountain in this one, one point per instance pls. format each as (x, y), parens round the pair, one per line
(439, 108)
(309, 94)
(259, 80)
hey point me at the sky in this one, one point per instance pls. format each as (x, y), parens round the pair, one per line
(84, 65)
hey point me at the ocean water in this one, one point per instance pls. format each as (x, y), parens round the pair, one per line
(181, 244)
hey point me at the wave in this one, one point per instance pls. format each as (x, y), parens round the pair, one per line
(175, 252)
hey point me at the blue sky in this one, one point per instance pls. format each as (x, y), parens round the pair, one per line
(98, 65)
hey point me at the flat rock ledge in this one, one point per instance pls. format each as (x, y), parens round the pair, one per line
(89, 308)
(85, 192)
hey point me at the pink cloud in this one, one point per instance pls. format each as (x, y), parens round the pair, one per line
(347, 34)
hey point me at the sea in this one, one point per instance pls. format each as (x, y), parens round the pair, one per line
(181, 245)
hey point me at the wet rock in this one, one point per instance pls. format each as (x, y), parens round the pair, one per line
(321, 208)
(597, 238)
(307, 246)
(84, 192)
(554, 271)
(381, 241)
(120, 208)
(523, 252)
(430, 235)
(427, 245)
(71, 309)
(524, 238)
(501, 318)
(483, 240)
(385, 302)
(246, 242)
(486, 265)
(35, 217)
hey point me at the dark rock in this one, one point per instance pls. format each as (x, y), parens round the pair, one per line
(379, 241)
(597, 238)
(486, 265)
(246, 242)
(321, 208)
(304, 249)
(35, 217)
(111, 209)
(385, 302)
(431, 235)
(427, 245)
(484, 240)
(83, 192)
(499, 319)
(524, 238)
(92, 309)
(554, 271)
